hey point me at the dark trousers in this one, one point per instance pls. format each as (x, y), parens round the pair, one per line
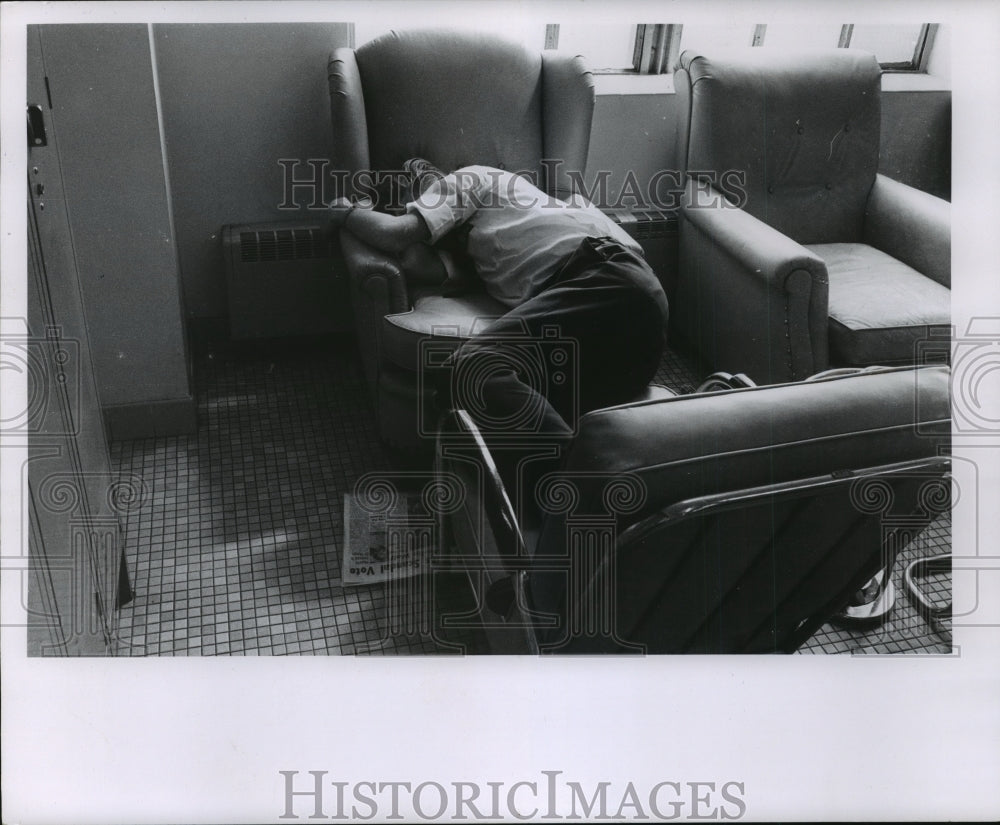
(592, 337)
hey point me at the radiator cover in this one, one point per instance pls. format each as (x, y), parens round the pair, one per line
(646, 223)
(284, 279)
(656, 231)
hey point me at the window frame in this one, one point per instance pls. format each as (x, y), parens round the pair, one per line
(921, 52)
(657, 47)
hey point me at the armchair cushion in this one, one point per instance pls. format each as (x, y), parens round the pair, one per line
(879, 307)
(435, 316)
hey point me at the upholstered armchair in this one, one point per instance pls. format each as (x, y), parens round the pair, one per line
(456, 99)
(732, 521)
(795, 253)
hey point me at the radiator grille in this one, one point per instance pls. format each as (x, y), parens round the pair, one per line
(284, 278)
(284, 245)
(643, 224)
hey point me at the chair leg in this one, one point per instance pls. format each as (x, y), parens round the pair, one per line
(872, 603)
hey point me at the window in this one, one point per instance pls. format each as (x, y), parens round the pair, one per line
(710, 38)
(531, 34)
(605, 47)
(795, 36)
(897, 47)
(653, 48)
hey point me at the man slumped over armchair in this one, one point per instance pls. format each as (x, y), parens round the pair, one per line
(566, 273)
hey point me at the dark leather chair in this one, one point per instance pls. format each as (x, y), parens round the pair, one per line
(722, 522)
(795, 254)
(457, 99)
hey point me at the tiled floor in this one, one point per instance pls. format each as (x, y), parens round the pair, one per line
(236, 546)
(907, 630)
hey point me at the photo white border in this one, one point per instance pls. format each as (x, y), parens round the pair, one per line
(811, 737)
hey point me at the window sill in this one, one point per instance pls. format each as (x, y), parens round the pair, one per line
(629, 83)
(913, 82)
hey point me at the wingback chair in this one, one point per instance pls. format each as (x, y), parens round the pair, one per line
(456, 99)
(795, 253)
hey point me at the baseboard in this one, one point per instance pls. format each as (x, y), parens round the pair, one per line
(173, 416)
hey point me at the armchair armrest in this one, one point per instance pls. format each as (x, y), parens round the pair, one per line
(378, 288)
(375, 275)
(912, 226)
(748, 297)
(760, 250)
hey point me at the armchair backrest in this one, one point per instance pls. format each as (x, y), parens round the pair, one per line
(803, 127)
(629, 463)
(709, 443)
(460, 98)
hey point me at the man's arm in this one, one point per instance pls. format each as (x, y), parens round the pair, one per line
(423, 264)
(389, 233)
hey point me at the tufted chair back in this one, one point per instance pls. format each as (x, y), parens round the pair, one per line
(460, 98)
(803, 126)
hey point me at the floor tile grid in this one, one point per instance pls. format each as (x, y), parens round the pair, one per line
(265, 607)
(238, 548)
(906, 630)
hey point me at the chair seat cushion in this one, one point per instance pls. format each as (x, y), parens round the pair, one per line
(879, 308)
(448, 319)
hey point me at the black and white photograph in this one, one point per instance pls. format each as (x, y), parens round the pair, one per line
(434, 411)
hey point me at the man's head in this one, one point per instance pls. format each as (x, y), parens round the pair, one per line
(397, 188)
(420, 173)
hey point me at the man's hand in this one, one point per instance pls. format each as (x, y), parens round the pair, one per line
(342, 207)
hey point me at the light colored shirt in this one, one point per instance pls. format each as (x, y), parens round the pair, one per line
(518, 234)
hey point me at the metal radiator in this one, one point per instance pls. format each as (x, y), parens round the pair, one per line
(656, 232)
(646, 224)
(284, 279)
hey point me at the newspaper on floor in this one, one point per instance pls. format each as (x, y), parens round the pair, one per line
(383, 544)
